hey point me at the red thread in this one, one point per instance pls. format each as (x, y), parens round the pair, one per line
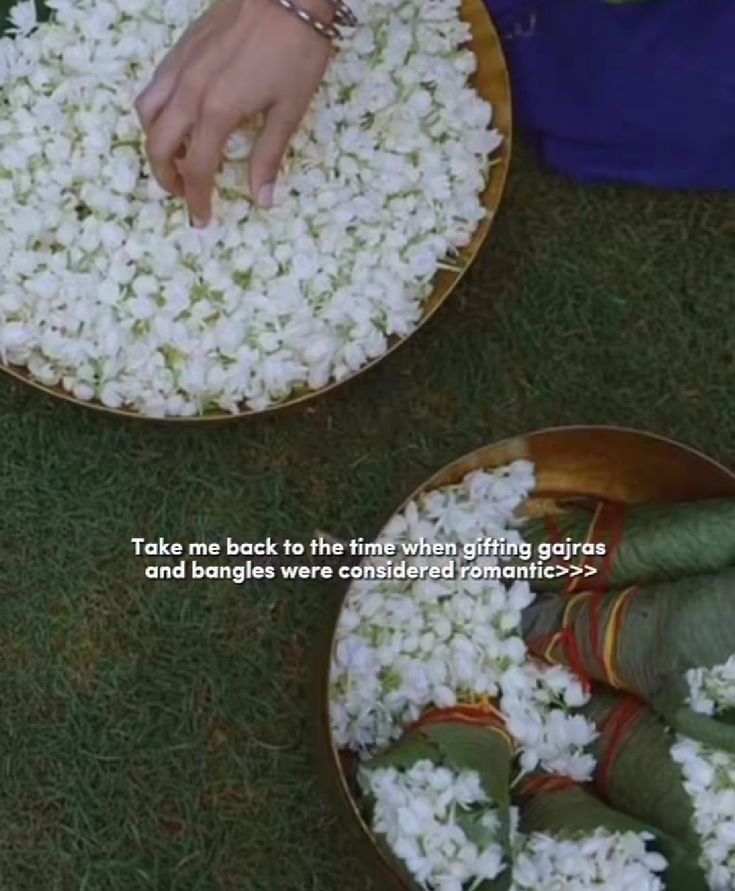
(607, 528)
(619, 724)
(554, 531)
(539, 645)
(574, 657)
(545, 785)
(556, 536)
(478, 715)
(596, 635)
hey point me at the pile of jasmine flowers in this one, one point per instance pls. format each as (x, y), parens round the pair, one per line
(416, 811)
(404, 646)
(709, 775)
(106, 290)
(615, 861)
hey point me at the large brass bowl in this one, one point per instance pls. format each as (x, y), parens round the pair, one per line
(602, 462)
(492, 83)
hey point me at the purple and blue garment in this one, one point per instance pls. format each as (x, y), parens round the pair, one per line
(640, 93)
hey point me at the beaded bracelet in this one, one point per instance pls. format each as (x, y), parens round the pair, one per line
(343, 15)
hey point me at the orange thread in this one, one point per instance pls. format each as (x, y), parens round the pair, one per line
(612, 635)
(551, 645)
(570, 642)
(540, 644)
(477, 716)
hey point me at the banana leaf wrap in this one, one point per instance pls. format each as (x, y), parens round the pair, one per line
(635, 772)
(643, 640)
(462, 739)
(644, 542)
(559, 807)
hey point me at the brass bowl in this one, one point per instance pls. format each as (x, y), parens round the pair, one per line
(599, 462)
(492, 83)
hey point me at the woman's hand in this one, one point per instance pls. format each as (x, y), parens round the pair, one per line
(242, 57)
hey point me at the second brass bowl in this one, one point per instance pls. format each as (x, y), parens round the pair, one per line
(599, 462)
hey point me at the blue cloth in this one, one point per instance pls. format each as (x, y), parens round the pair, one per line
(640, 93)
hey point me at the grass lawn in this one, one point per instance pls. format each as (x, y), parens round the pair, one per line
(155, 735)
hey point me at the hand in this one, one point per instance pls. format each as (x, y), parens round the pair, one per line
(241, 58)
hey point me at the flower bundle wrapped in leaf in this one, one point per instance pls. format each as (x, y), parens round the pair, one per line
(594, 844)
(635, 771)
(438, 800)
(708, 774)
(645, 639)
(633, 544)
(709, 778)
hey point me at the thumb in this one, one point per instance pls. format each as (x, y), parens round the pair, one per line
(265, 160)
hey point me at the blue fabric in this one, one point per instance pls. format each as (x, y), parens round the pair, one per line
(641, 93)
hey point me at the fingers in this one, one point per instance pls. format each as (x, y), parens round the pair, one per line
(265, 162)
(167, 135)
(200, 166)
(155, 96)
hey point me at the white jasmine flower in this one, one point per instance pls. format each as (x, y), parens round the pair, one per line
(23, 17)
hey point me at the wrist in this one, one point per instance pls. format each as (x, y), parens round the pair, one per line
(317, 16)
(323, 16)
(322, 10)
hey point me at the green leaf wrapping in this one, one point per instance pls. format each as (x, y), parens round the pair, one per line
(648, 542)
(461, 747)
(644, 640)
(716, 731)
(635, 772)
(571, 810)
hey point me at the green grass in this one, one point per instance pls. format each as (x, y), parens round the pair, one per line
(156, 735)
